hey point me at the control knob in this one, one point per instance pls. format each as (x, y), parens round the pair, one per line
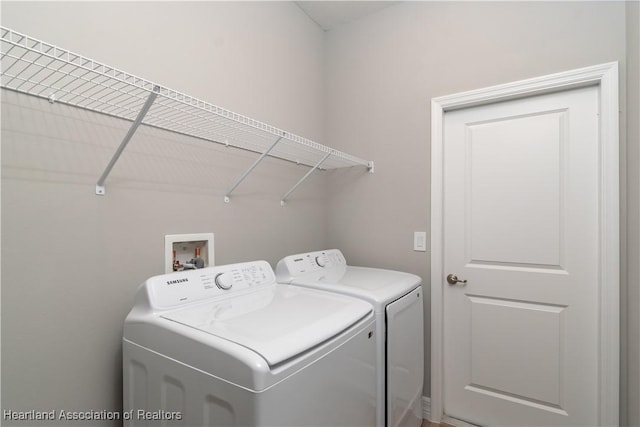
(224, 281)
(321, 261)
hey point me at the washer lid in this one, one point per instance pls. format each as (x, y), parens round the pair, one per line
(278, 322)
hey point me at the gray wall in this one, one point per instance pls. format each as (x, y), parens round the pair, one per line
(71, 260)
(631, 297)
(381, 73)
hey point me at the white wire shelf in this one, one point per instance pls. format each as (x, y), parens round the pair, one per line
(37, 68)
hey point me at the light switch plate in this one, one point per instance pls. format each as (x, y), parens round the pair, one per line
(420, 241)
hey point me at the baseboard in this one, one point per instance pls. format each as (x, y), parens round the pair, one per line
(426, 415)
(426, 408)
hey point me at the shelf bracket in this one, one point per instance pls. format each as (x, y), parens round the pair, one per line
(100, 190)
(284, 198)
(227, 197)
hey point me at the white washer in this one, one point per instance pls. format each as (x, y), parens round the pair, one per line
(229, 346)
(397, 298)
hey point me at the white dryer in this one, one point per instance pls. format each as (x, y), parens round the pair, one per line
(228, 346)
(397, 298)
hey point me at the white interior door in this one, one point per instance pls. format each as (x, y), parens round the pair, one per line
(521, 211)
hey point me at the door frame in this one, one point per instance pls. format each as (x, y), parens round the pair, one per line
(605, 76)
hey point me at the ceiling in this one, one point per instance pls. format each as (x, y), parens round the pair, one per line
(329, 14)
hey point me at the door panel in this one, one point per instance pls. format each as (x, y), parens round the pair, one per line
(503, 163)
(502, 362)
(521, 225)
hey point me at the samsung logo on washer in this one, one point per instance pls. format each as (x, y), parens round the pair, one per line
(177, 281)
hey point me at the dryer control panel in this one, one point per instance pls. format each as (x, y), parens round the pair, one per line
(179, 288)
(295, 265)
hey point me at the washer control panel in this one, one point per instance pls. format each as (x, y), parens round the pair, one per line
(295, 265)
(179, 288)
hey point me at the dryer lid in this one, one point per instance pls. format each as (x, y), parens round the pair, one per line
(278, 322)
(376, 285)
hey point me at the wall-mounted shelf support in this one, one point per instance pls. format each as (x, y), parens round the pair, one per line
(227, 196)
(100, 190)
(317, 165)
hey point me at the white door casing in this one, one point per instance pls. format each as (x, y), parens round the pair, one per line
(474, 235)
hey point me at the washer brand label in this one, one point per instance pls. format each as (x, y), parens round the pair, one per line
(177, 281)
